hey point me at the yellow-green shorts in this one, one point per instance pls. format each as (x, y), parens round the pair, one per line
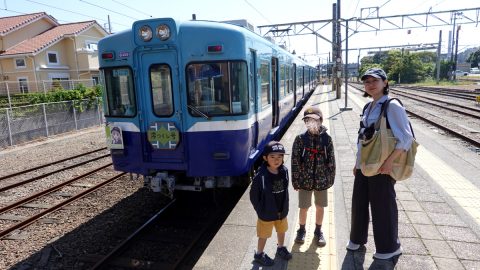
(264, 228)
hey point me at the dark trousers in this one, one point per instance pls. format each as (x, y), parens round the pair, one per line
(379, 192)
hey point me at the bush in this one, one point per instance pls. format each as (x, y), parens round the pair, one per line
(56, 95)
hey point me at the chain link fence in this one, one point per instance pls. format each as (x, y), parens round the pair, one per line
(26, 123)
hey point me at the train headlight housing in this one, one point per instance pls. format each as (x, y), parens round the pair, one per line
(145, 33)
(163, 32)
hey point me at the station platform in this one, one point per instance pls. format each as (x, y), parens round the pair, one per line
(439, 212)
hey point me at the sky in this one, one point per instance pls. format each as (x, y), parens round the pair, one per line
(123, 13)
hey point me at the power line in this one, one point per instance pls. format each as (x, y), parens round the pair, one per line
(108, 10)
(65, 10)
(139, 11)
(258, 11)
(88, 16)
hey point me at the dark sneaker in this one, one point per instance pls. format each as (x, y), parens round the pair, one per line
(319, 239)
(384, 264)
(300, 239)
(354, 258)
(283, 253)
(263, 259)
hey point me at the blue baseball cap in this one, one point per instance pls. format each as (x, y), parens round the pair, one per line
(375, 72)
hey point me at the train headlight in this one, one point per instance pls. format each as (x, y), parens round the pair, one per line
(146, 33)
(163, 32)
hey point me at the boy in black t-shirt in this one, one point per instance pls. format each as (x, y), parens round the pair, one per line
(269, 197)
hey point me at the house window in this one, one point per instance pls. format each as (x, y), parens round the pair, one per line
(20, 63)
(52, 58)
(23, 85)
(91, 45)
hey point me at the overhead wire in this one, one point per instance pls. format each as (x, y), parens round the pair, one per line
(254, 8)
(74, 12)
(62, 9)
(139, 11)
(95, 5)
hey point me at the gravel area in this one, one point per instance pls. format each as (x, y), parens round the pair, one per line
(92, 225)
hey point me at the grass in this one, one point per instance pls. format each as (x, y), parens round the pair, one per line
(431, 82)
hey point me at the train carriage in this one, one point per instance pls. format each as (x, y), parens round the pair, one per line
(196, 101)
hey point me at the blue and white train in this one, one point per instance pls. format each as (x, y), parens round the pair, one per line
(195, 102)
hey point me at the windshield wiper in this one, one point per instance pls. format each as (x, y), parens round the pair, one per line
(198, 111)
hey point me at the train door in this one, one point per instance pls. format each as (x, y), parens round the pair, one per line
(254, 95)
(161, 102)
(275, 94)
(294, 85)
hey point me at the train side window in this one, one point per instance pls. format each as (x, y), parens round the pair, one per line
(218, 88)
(161, 87)
(265, 76)
(119, 92)
(282, 81)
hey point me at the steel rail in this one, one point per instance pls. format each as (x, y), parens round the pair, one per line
(49, 173)
(49, 164)
(124, 243)
(32, 219)
(50, 190)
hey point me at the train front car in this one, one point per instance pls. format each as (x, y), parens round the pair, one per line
(177, 103)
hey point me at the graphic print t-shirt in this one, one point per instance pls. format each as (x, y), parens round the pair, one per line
(278, 190)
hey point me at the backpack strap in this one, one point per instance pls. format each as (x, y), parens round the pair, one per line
(323, 143)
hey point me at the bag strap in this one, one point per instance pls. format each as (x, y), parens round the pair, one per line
(384, 113)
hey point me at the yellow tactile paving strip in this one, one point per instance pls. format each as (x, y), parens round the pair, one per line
(454, 184)
(309, 256)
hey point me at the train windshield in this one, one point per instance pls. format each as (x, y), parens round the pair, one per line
(119, 92)
(217, 88)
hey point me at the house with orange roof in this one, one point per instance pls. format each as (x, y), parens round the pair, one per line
(35, 48)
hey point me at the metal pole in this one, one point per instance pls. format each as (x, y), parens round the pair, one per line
(339, 52)
(8, 95)
(334, 45)
(439, 51)
(74, 115)
(456, 53)
(346, 69)
(45, 117)
(99, 112)
(10, 138)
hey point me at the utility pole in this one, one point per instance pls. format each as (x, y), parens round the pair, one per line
(109, 25)
(339, 53)
(453, 56)
(456, 52)
(346, 108)
(439, 51)
(334, 45)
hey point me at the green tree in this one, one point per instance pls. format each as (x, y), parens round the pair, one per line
(474, 59)
(403, 66)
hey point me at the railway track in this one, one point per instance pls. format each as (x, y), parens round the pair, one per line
(17, 192)
(25, 221)
(455, 127)
(50, 164)
(173, 238)
(469, 95)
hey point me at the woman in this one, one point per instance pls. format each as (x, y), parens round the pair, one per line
(378, 190)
